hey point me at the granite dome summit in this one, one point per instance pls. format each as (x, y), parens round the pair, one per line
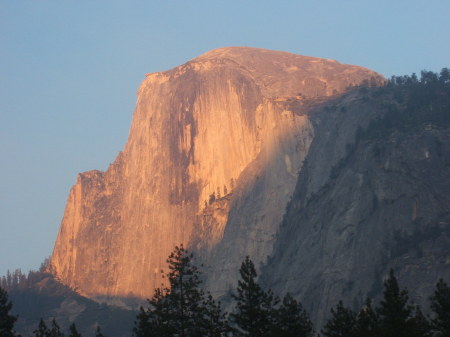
(212, 159)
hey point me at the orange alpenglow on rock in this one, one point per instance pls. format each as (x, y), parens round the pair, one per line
(203, 135)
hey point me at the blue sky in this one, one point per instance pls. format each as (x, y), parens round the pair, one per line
(69, 71)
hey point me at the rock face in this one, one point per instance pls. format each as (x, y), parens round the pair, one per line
(363, 206)
(211, 162)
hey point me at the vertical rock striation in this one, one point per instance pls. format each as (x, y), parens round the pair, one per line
(230, 125)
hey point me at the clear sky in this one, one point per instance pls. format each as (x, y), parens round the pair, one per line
(69, 71)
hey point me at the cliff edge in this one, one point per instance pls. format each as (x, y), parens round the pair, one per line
(230, 123)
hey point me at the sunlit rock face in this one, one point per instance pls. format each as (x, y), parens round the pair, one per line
(230, 125)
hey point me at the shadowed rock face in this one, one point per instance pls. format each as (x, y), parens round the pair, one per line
(232, 123)
(363, 206)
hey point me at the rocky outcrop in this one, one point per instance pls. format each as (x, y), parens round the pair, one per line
(364, 205)
(211, 161)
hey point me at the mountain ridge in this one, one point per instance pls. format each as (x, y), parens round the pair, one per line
(197, 130)
(381, 203)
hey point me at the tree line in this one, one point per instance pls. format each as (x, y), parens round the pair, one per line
(410, 102)
(184, 309)
(19, 280)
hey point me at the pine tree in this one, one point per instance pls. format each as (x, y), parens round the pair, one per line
(6, 319)
(42, 330)
(440, 305)
(181, 309)
(155, 320)
(73, 332)
(214, 320)
(421, 326)
(366, 321)
(292, 320)
(55, 330)
(342, 322)
(98, 332)
(184, 296)
(254, 312)
(142, 325)
(394, 312)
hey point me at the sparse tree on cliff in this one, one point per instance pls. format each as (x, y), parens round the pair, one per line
(212, 198)
(6, 319)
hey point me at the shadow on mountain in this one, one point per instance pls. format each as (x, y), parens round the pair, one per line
(41, 296)
(373, 194)
(264, 188)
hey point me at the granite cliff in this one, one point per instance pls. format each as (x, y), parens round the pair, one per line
(211, 162)
(373, 195)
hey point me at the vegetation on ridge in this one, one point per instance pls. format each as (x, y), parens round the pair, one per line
(415, 102)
